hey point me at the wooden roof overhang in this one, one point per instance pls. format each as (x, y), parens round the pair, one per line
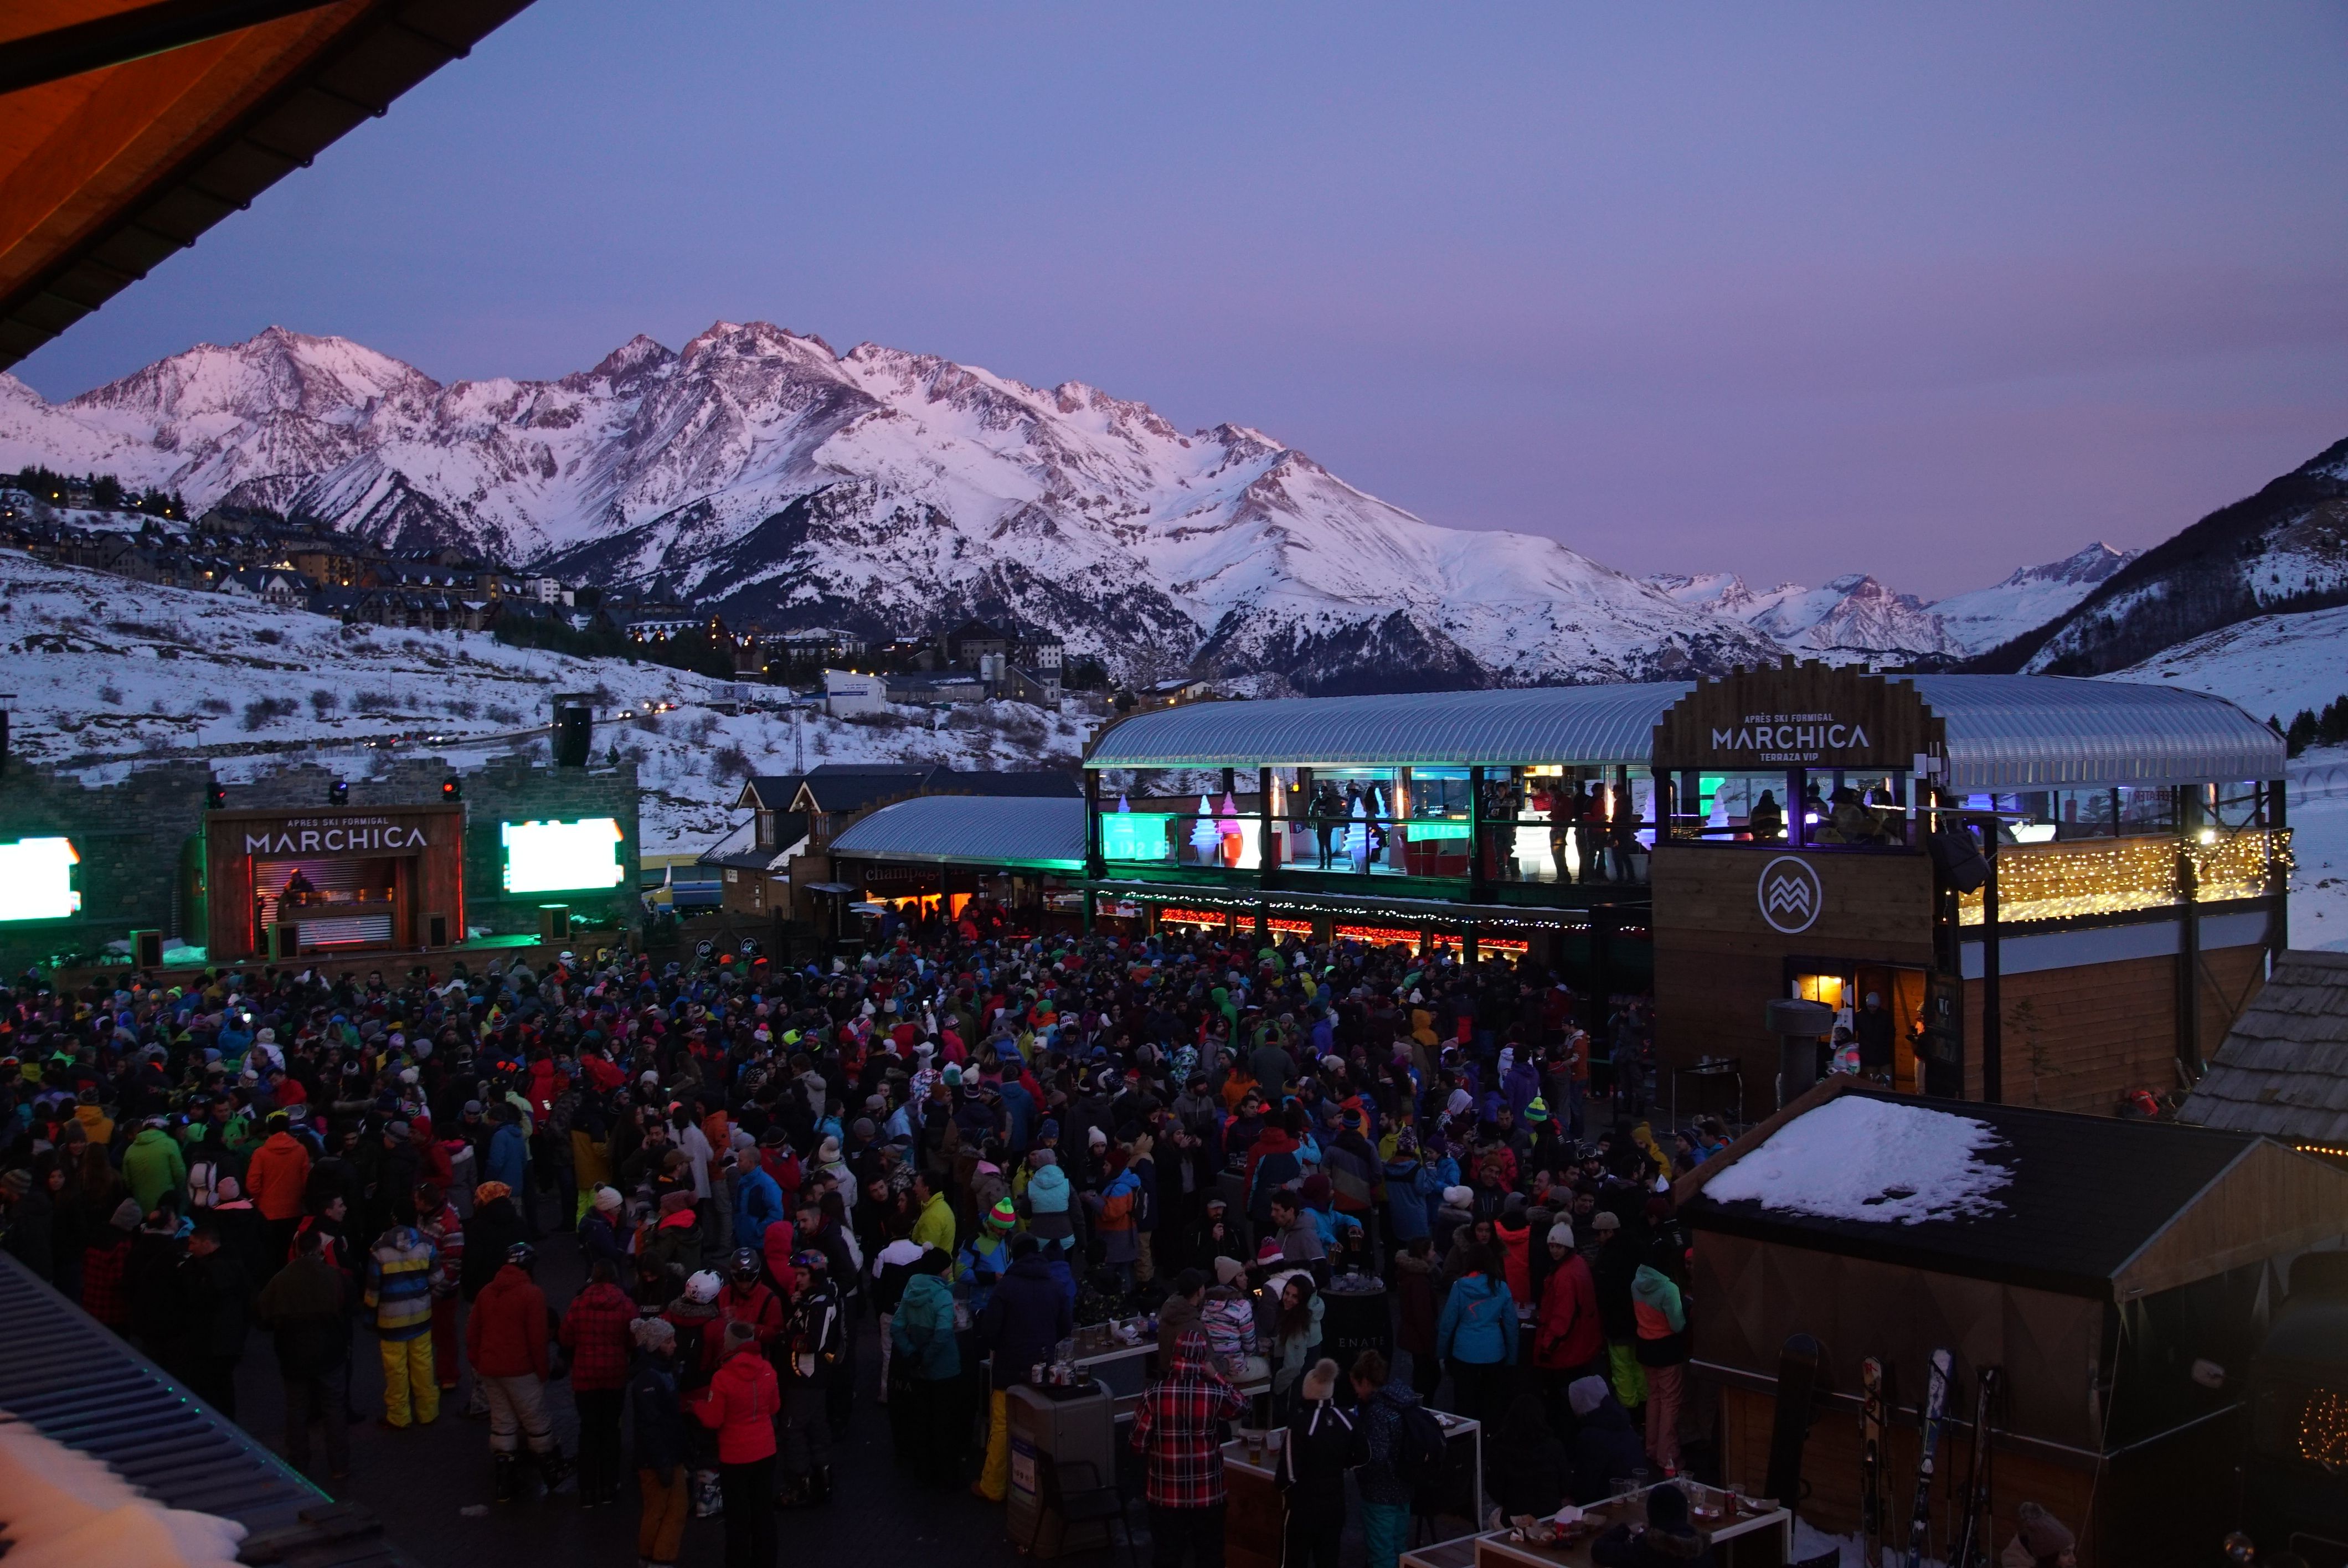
(126, 130)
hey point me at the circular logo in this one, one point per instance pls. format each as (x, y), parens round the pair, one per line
(1790, 895)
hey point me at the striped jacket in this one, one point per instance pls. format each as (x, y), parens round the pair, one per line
(399, 1283)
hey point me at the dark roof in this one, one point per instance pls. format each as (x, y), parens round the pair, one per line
(80, 1385)
(769, 792)
(2086, 1193)
(2283, 1068)
(947, 780)
(847, 786)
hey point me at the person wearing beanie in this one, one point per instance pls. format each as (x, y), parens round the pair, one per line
(1569, 1338)
(739, 1403)
(2040, 1541)
(1324, 1442)
(985, 1258)
(1605, 1444)
(658, 1419)
(1176, 1430)
(1667, 1541)
(928, 1363)
(1027, 1316)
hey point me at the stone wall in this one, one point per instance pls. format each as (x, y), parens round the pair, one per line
(134, 838)
(512, 789)
(141, 866)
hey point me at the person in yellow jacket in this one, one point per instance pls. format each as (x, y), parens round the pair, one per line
(934, 1224)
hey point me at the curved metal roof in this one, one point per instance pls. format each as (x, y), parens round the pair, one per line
(2052, 731)
(973, 830)
(1429, 729)
(2004, 732)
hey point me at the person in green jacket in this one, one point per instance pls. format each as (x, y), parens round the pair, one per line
(928, 1359)
(933, 1226)
(155, 1168)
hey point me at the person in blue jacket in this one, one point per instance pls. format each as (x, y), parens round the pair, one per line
(757, 1200)
(1476, 1337)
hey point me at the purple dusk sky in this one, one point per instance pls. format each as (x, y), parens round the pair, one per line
(1926, 292)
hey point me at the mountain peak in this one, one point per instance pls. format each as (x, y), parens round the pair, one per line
(632, 358)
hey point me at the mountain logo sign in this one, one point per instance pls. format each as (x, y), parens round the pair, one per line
(1791, 896)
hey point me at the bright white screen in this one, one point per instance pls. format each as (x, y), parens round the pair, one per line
(36, 879)
(561, 856)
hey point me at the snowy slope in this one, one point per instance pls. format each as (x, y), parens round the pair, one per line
(1980, 621)
(107, 671)
(881, 491)
(1854, 619)
(2273, 665)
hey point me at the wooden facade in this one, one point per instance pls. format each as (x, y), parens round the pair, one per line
(2117, 1255)
(1737, 923)
(412, 859)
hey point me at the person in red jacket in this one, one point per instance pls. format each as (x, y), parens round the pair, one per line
(505, 1338)
(1570, 1340)
(596, 1331)
(739, 1404)
(744, 1299)
(275, 1180)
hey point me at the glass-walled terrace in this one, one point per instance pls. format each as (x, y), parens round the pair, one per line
(1555, 825)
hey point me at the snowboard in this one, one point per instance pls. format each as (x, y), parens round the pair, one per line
(1873, 1405)
(1936, 1410)
(1798, 1379)
(1971, 1549)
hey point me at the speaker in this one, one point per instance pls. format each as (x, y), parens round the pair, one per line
(146, 949)
(573, 733)
(435, 931)
(554, 922)
(284, 940)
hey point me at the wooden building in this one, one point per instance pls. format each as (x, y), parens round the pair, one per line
(2121, 1278)
(1798, 831)
(2127, 854)
(324, 878)
(2283, 1068)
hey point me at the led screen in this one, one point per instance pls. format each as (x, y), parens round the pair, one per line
(36, 879)
(561, 856)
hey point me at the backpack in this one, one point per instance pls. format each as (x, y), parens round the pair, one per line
(1420, 1450)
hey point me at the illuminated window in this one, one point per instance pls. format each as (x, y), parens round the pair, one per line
(561, 856)
(36, 880)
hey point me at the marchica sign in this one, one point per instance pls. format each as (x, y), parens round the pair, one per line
(333, 835)
(1789, 738)
(1796, 716)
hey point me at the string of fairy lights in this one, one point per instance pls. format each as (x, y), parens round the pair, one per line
(2060, 881)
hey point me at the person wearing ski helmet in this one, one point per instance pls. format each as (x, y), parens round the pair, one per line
(506, 1340)
(812, 1355)
(745, 1299)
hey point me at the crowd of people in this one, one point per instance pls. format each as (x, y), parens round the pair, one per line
(947, 1154)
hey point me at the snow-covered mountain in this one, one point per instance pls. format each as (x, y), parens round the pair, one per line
(1855, 620)
(881, 491)
(1980, 621)
(2281, 551)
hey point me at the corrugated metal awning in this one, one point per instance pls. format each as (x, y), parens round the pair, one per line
(77, 1383)
(1039, 831)
(2049, 731)
(2004, 732)
(1420, 729)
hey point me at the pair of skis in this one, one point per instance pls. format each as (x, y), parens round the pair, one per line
(1971, 1540)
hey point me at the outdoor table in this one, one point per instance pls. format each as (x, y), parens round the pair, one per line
(1760, 1536)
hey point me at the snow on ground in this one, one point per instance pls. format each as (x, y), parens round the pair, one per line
(2319, 848)
(67, 1508)
(1855, 1158)
(108, 674)
(2273, 665)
